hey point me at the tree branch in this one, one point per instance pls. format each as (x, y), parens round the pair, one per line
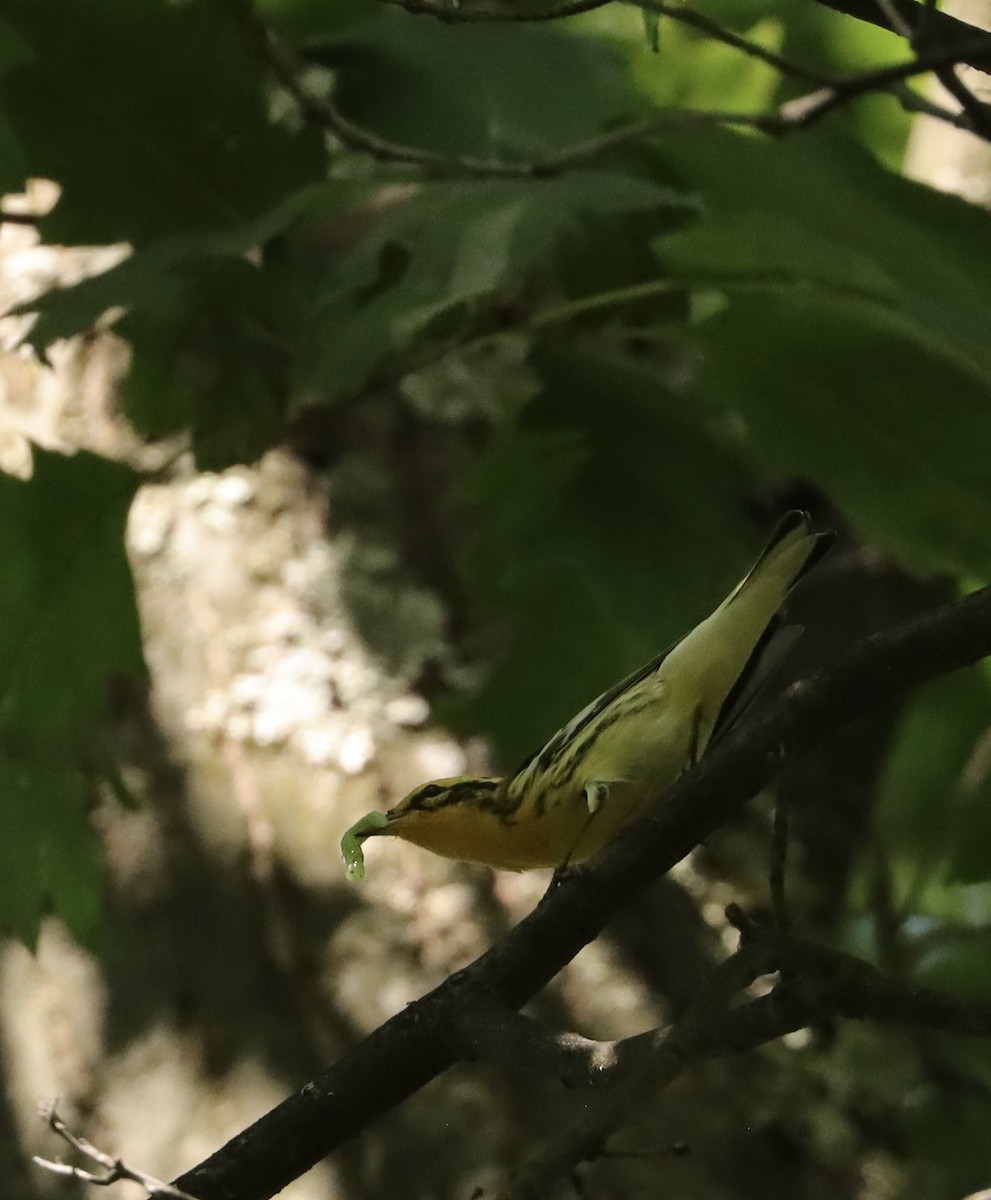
(643, 1066)
(816, 983)
(684, 14)
(911, 16)
(903, 17)
(489, 1031)
(413, 1047)
(495, 10)
(323, 113)
(805, 109)
(113, 1169)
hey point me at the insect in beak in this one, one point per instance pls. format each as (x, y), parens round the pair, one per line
(371, 824)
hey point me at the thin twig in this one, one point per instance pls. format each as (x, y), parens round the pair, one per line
(686, 15)
(896, 21)
(789, 67)
(324, 113)
(114, 1169)
(887, 919)
(914, 102)
(897, 15)
(978, 113)
(321, 111)
(498, 1034)
(802, 111)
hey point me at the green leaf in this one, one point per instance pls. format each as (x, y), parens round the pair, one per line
(542, 464)
(854, 347)
(836, 390)
(831, 217)
(51, 855)
(928, 805)
(955, 959)
(608, 510)
(315, 18)
(207, 329)
(151, 117)
(445, 248)
(946, 1122)
(68, 624)
(211, 330)
(487, 89)
(829, 42)
(693, 72)
(209, 357)
(153, 277)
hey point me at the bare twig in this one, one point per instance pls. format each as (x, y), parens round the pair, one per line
(977, 112)
(898, 22)
(887, 919)
(914, 102)
(113, 1170)
(843, 90)
(322, 112)
(496, 1033)
(922, 34)
(805, 109)
(692, 17)
(909, 16)
(848, 987)
(900, 16)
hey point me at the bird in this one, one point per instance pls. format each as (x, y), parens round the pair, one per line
(599, 771)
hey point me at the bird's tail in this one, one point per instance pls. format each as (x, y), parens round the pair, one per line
(734, 651)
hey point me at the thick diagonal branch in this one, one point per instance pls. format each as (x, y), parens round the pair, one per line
(409, 1050)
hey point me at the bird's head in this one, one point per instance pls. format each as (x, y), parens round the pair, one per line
(444, 816)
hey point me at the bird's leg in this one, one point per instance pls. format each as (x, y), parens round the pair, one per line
(565, 870)
(596, 794)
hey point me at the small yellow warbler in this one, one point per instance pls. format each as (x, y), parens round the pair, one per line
(625, 747)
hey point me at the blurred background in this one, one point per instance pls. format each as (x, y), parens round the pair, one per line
(347, 442)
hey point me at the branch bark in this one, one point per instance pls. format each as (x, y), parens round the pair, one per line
(913, 18)
(817, 984)
(907, 18)
(943, 47)
(414, 1046)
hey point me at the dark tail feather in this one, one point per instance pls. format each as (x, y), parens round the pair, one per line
(775, 645)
